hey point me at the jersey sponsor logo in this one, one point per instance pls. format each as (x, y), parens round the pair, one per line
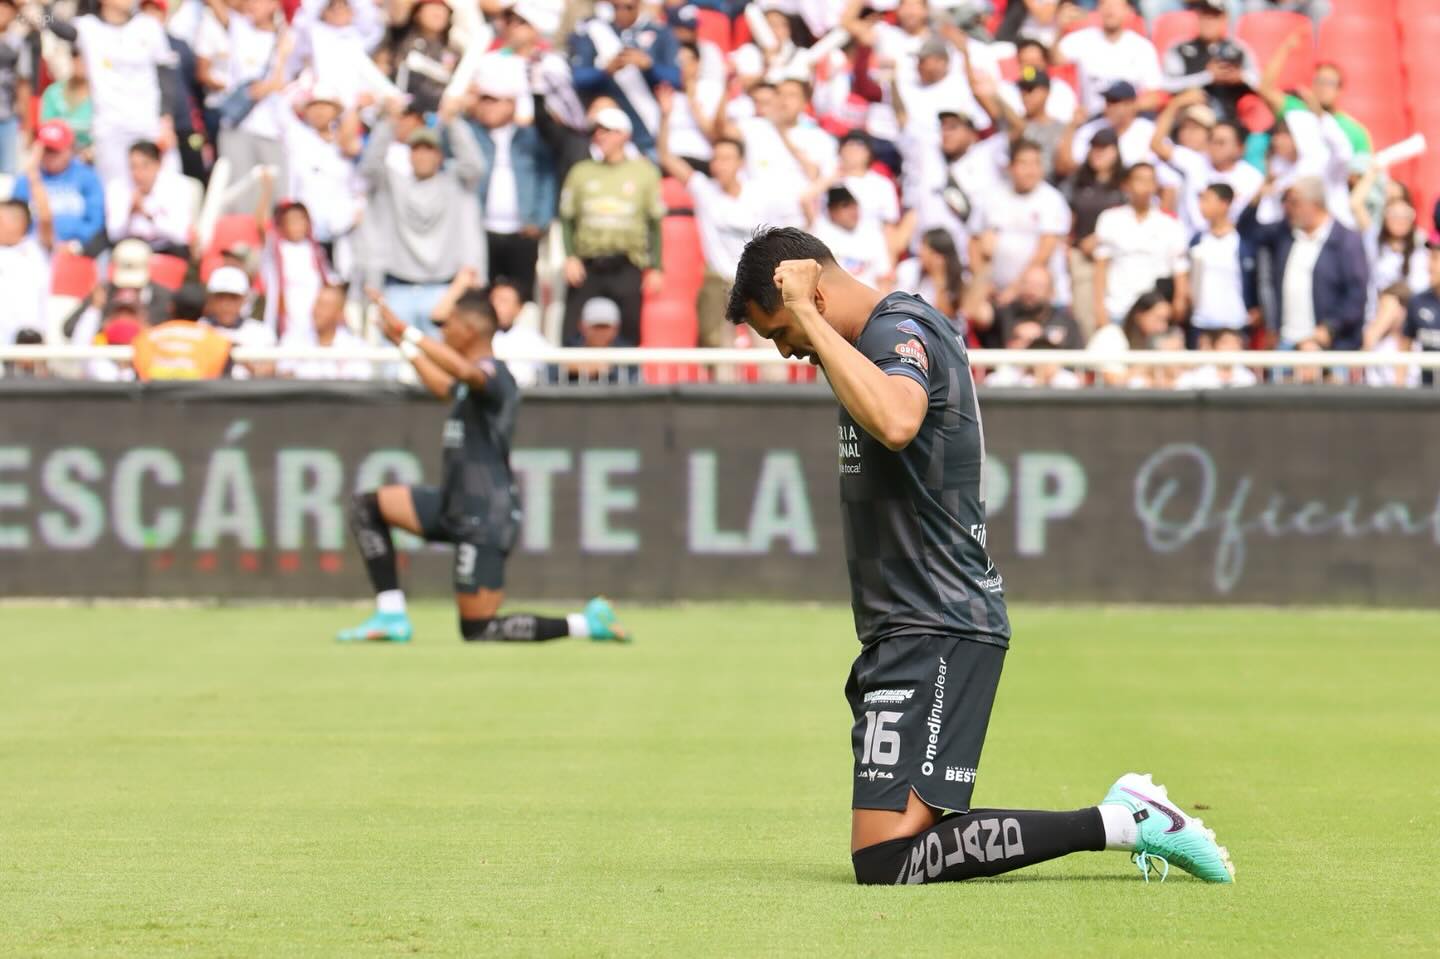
(454, 435)
(935, 720)
(849, 449)
(983, 840)
(870, 775)
(959, 774)
(888, 696)
(1177, 821)
(913, 353)
(911, 327)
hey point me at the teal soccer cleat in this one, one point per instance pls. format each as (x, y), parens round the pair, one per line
(600, 618)
(380, 628)
(1167, 836)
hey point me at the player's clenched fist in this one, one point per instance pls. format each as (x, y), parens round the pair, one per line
(797, 280)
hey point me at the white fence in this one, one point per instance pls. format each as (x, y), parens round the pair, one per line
(1279, 365)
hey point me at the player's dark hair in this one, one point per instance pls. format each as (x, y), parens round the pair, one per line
(1223, 191)
(1142, 165)
(755, 274)
(189, 302)
(21, 208)
(1025, 42)
(474, 306)
(1241, 134)
(146, 148)
(692, 46)
(739, 145)
(1022, 146)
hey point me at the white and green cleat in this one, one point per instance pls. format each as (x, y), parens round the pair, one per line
(379, 628)
(602, 623)
(1166, 835)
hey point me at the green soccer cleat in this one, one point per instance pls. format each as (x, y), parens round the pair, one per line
(600, 618)
(379, 628)
(1167, 836)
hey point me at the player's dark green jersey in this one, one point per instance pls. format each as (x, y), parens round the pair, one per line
(478, 489)
(914, 519)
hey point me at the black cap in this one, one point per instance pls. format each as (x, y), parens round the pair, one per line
(1119, 91)
(859, 136)
(1105, 137)
(1228, 51)
(1030, 78)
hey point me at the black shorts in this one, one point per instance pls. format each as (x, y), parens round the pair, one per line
(921, 707)
(479, 563)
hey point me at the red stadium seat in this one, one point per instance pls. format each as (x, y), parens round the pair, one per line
(1366, 9)
(1352, 41)
(715, 27)
(665, 321)
(72, 275)
(674, 195)
(741, 33)
(1373, 80)
(1172, 28)
(168, 271)
(1265, 31)
(232, 229)
(1419, 36)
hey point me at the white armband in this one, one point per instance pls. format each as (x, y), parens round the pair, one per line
(412, 336)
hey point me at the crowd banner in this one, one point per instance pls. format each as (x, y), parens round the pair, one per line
(239, 491)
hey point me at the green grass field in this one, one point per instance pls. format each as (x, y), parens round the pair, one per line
(232, 783)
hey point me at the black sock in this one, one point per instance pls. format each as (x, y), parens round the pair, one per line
(372, 535)
(517, 628)
(984, 842)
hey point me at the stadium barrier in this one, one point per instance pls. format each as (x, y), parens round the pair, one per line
(239, 490)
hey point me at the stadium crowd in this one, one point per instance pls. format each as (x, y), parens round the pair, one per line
(184, 175)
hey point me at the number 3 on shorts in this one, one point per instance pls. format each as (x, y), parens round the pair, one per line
(465, 555)
(882, 746)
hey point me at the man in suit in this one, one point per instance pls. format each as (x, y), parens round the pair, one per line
(1318, 271)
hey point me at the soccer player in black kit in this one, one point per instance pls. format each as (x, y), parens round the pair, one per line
(475, 507)
(928, 602)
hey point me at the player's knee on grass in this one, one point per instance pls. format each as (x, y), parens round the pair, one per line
(882, 863)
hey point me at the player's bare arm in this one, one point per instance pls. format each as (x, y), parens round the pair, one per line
(890, 408)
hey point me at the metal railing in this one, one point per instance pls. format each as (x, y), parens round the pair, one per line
(71, 360)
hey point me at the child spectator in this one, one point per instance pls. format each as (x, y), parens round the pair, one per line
(1216, 270)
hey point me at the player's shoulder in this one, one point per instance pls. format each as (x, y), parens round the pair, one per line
(902, 317)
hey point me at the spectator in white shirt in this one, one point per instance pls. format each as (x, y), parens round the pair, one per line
(726, 212)
(1133, 132)
(321, 144)
(251, 134)
(1109, 53)
(944, 183)
(684, 22)
(24, 267)
(1060, 101)
(785, 150)
(228, 309)
(151, 203)
(517, 331)
(326, 329)
(295, 268)
(1216, 273)
(937, 85)
(773, 63)
(1022, 224)
(123, 52)
(1147, 325)
(857, 244)
(935, 274)
(1137, 248)
(1216, 376)
(1222, 161)
(879, 203)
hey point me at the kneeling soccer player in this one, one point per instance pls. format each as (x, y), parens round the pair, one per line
(476, 508)
(929, 604)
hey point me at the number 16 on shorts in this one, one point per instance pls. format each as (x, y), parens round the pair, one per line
(882, 744)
